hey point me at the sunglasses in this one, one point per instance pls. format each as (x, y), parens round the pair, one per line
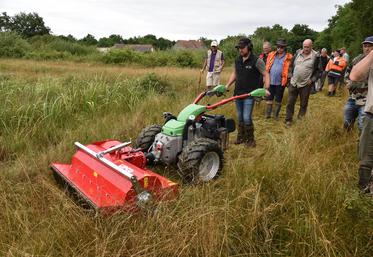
(281, 47)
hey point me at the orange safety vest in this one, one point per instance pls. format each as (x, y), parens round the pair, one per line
(285, 67)
(334, 68)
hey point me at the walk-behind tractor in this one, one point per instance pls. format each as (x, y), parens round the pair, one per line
(194, 140)
(111, 175)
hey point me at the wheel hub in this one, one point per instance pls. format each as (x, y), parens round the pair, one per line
(209, 166)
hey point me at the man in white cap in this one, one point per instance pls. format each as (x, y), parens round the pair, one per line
(215, 62)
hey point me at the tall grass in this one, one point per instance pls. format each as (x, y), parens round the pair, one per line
(36, 114)
(293, 195)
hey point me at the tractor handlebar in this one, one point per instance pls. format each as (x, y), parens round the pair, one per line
(221, 89)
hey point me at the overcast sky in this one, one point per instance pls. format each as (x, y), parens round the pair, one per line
(173, 19)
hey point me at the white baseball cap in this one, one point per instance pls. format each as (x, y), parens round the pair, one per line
(214, 43)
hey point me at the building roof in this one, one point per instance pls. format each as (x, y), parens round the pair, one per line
(136, 47)
(190, 44)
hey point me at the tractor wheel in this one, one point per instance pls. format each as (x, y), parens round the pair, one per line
(200, 161)
(147, 136)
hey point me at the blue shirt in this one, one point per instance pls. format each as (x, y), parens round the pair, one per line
(276, 70)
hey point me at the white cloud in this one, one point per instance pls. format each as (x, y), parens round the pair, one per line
(173, 19)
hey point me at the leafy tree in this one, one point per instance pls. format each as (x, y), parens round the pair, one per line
(206, 42)
(104, 42)
(348, 27)
(324, 40)
(89, 40)
(116, 39)
(271, 34)
(26, 25)
(298, 34)
(227, 45)
(163, 44)
(110, 41)
(159, 43)
(363, 10)
(5, 22)
(69, 38)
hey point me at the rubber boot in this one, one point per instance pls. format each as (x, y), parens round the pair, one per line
(268, 111)
(250, 140)
(240, 134)
(277, 110)
(365, 179)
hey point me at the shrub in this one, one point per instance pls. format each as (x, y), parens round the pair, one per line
(151, 82)
(121, 56)
(185, 59)
(12, 45)
(154, 59)
(73, 48)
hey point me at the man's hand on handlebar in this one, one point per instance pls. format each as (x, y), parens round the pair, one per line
(268, 93)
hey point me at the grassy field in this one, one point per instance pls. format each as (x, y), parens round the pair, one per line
(295, 194)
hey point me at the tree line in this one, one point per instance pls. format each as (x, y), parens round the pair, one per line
(31, 24)
(347, 28)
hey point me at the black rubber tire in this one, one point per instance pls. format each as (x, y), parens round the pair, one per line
(191, 156)
(147, 136)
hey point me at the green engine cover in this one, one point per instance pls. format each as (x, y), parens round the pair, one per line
(175, 127)
(192, 109)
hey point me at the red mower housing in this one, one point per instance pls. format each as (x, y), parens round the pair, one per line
(110, 175)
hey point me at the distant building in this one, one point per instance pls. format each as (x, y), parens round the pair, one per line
(137, 48)
(189, 44)
(103, 49)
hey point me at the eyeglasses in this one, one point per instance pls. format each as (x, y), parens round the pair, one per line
(281, 47)
(367, 45)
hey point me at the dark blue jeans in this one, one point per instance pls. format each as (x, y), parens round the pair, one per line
(277, 93)
(353, 112)
(245, 110)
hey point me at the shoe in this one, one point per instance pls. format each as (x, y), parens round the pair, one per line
(288, 123)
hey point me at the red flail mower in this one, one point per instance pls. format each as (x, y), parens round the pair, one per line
(111, 176)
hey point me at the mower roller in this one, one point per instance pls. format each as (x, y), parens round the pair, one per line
(111, 175)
